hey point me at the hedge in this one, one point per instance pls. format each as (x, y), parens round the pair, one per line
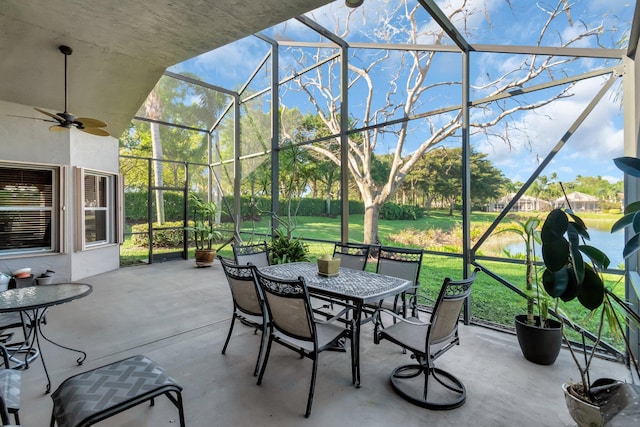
(135, 205)
(161, 238)
(393, 211)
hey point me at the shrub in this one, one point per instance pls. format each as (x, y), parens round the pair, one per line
(163, 238)
(394, 211)
(285, 249)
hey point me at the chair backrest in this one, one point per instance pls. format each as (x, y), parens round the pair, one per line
(446, 311)
(244, 289)
(352, 255)
(256, 254)
(288, 305)
(404, 263)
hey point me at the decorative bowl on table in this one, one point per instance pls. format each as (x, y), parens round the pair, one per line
(328, 266)
(22, 273)
(44, 280)
(23, 282)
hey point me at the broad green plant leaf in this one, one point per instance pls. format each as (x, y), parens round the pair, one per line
(622, 222)
(591, 290)
(555, 283)
(555, 253)
(578, 263)
(531, 225)
(632, 246)
(517, 231)
(628, 165)
(599, 258)
(572, 287)
(554, 226)
(636, 222)
(573, 236)
(578, 225)
(632, 207)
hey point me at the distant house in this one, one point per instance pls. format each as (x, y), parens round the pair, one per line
(579, 202)
(524, 204)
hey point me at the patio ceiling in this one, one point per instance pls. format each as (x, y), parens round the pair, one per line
(121, 47)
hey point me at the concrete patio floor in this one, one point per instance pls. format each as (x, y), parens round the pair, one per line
(179, 315)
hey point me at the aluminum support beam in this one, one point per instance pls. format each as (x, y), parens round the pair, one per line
(466, 179)
(631, 117)
(237, 168)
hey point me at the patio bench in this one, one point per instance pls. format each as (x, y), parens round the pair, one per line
(87, 398)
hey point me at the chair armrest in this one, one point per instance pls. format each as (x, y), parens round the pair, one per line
(402, 319)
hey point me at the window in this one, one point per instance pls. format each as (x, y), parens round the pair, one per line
(29, 214)
(96, 195)
(96, 209)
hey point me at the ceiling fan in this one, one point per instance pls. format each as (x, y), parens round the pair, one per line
(66, 120)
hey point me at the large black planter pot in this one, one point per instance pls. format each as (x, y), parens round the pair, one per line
(539, 345)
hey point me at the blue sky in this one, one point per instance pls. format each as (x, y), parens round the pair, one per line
(589, 152)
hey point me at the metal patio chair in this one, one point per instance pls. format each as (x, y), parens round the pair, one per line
(292, 324)
(404, 263)
(10, 385)
(352, 255)
(18, 347)
(248, 304)
(256, 254)
(426, 341)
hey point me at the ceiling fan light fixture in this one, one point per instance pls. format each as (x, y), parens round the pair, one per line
(353, 3)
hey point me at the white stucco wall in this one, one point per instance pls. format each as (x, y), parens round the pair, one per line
(28, 140)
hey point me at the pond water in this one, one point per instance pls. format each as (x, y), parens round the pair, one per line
(610, 244)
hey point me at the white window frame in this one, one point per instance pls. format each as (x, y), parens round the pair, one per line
(113, 229)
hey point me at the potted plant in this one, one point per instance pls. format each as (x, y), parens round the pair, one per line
(204, 230)
(539, 337)
(569, 277)
(328, 265)
(284, 248)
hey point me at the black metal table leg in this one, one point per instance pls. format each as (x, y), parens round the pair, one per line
(356, 337)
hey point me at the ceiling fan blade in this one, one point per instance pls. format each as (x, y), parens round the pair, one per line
(54, 116)
(90, 123)
(33, 118)
(95, 131)
(58, 128)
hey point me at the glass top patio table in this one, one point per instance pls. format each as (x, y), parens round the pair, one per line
(355, 286)
(32, 297)
(33, 302)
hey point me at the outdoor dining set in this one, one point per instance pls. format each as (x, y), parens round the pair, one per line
(309, 311)
(295, 305)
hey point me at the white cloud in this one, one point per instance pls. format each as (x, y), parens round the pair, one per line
(588, 152)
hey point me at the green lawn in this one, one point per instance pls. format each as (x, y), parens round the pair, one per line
(491, 301)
